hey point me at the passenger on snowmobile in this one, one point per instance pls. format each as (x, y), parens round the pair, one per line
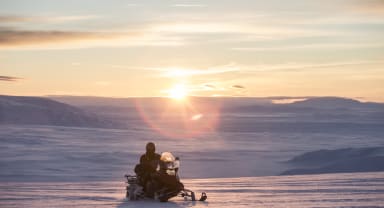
(146, 170)
(167, 180)
(162, 184)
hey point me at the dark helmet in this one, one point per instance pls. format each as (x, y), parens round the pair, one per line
(150, 147)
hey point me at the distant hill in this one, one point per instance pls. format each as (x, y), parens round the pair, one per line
(336, 102)
(43, 111)
(368, 159)
(312, 105)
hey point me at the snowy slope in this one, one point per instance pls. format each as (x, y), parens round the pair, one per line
(327, 190)
(367, 159)
(43, 111)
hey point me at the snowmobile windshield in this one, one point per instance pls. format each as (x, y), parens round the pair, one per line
(167, 157)
(167, 163)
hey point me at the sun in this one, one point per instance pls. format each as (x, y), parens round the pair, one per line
(178, 92)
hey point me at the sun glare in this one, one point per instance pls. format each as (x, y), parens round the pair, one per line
(196, 117)
(178, 92)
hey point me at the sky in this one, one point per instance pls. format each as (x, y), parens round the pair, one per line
(145, 48)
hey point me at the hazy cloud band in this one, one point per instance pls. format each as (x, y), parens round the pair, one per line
(9, 79)
(9, 37)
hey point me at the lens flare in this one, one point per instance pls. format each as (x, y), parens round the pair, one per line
(196, 117)
(178, 92)
(172, 120)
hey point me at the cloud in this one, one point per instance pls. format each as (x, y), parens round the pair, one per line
(176, 29)
(11, 19)
(45, 19)
(180, 72)
(209, 86)
(14, 35)
(305, 66)
(132, 5)
(11, 37)
(220, 27)
(369, 6)
(195, 72)
(189, 5)
(238, 86)
(327, 46)
(9, 79)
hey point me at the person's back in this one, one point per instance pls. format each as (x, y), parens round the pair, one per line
(150, 160)
(148, 166)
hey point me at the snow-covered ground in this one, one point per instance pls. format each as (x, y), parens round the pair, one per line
(54, 166)
(47, 153)
(327, 190)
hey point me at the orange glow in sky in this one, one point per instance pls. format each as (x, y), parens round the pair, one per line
(217, 48)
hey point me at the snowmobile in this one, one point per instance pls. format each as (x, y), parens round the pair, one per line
(164, 184)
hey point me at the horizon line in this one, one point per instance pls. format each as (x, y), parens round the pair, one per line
(277, 97)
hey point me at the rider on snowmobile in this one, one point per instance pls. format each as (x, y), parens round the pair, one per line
(157, 178)
(146, 170)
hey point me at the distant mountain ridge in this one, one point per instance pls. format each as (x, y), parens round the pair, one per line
(306, 110)
(107, 112)
(44, 111)
(336, 102)
(227, 102)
